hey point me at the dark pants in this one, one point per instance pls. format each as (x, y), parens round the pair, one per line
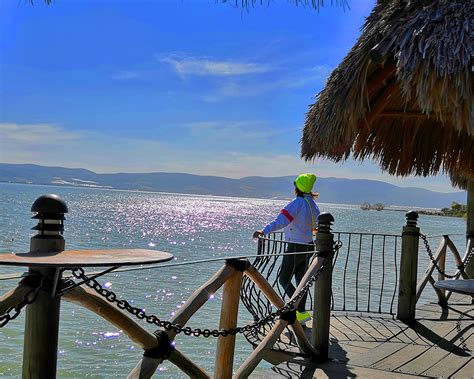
(296, 265)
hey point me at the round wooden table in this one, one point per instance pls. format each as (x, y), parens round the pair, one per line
(86, 258)
(43, 311)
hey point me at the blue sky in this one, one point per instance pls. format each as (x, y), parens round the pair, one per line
(196, 86)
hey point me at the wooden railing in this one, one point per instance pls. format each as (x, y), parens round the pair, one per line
(437, 266)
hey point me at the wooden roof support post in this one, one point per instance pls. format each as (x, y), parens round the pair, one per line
(408, 269)
(323, 287)
(228, 320)
(470, 225)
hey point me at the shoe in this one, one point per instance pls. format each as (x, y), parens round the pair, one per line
(303, 317)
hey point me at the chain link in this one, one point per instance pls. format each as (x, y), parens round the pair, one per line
(110, 296)
(433, 260)
(462, 341)
(28, 298)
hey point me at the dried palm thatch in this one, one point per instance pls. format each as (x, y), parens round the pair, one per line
(404, 94)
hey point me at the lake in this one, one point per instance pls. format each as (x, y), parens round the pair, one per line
(188, 226)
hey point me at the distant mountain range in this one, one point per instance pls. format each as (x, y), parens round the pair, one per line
(332, 190)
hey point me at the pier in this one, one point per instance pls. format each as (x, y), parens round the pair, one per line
(439, 344)
(363, 289)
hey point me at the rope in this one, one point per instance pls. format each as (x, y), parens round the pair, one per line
(149, 267)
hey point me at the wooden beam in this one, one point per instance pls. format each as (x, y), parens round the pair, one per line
(394, 113)
(192, 305)
(94, 302)
(379, 104)
(254, 359)
(147, 366)
(229, 315)
(429, 270)
(278, 302)
(459, 261)
(200, 297)
(13, 297)
(379, 79)
(380, 52)
(187, 366)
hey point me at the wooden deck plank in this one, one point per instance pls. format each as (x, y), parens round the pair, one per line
(347, 351)
(438, 344)
(325, 371)
(449, 364)
(378, 354)
(448, 350)
(360, 328)
(467, 371)
(428, 337)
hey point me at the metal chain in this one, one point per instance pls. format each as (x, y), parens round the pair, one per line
(28, 298)
(469, 256)
(433, 260)
(110, 296)
(462, 341)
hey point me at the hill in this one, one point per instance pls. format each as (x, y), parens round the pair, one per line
(332, 190)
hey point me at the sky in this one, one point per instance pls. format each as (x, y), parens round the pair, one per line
(193, 86)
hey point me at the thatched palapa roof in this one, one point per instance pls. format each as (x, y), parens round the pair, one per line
(404, 93)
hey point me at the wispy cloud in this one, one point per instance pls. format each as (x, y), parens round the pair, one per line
(34, 134)
(237, 130)
(313, 75)
(126, 75)
(185, 65)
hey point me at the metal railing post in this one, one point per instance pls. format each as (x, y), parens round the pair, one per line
(323, 286)
(408, 269)
(42, 316)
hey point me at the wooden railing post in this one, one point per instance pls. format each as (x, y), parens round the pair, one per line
(408, 269)
(323, 287)
(42, 316)
(229, 313)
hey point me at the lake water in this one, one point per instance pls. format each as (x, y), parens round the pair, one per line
(188, 226)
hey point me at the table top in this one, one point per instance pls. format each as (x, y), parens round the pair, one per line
(86, 258)
(464, 286)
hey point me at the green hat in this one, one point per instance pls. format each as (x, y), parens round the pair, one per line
(305, 182)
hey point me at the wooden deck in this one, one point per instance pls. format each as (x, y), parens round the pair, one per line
(439, 344)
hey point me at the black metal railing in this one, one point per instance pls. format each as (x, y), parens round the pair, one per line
(365, 273)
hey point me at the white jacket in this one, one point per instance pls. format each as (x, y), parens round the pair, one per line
(296, 221)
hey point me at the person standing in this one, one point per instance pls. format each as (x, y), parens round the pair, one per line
(298, 219)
